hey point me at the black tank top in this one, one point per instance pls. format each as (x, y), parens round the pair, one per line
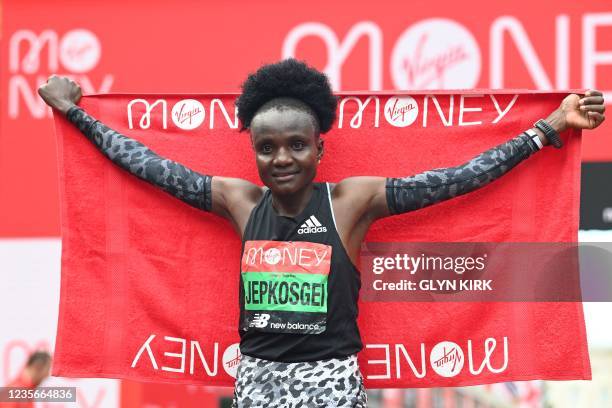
(298, 286)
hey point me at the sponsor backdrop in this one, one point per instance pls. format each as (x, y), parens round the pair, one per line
(192, 46)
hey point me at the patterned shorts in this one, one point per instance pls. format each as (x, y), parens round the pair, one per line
(324, 383)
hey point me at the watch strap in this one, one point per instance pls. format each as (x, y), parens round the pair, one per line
(550, 133)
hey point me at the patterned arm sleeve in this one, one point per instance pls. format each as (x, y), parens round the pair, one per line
(183, 183)
(431, 187)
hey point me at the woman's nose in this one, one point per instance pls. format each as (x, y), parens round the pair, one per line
(282, 157)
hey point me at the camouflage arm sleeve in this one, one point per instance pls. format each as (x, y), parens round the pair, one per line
(183, 183)
(433, 186)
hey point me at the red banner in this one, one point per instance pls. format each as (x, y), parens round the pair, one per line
(149, 284)
(135, 47)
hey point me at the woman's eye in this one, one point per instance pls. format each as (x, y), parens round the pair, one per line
(298, 145)
(266, 149)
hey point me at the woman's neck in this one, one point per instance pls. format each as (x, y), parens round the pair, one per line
(291, 205)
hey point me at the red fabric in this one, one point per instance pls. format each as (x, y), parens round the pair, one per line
(137, 263)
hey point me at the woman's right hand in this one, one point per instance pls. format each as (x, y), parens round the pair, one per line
(60, 93)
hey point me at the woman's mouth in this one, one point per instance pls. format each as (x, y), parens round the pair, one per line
(282, 177)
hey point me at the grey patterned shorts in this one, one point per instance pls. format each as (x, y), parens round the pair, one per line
(324, 383)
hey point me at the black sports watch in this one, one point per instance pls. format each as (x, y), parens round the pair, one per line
(551, 134)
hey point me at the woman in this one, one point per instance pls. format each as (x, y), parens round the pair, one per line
(303, 352)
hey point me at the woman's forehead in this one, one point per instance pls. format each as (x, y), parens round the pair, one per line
(281, 121)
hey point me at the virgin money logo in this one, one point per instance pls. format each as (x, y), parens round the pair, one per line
(272, 256)
(446, 359)
(231, 359)
(401, 111)
(285, 255)
(188, 114)
(80, 50)
(34, 56)
(435, 54)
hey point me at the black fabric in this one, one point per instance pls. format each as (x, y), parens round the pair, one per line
(341, 337)
(433, 186)
(183, 183)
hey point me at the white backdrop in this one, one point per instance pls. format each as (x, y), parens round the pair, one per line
(29, 300)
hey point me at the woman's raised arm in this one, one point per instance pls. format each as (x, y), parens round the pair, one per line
(193, 188)
(377, 197)
(129, 154)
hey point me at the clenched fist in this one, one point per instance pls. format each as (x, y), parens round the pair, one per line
(60, 93)
(586, 112)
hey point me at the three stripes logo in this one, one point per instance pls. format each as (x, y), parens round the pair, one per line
(311, 226)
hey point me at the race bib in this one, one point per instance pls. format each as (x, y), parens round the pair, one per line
(285, 286)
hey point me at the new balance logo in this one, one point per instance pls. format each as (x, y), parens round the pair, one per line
(311, 226)
(260, 320)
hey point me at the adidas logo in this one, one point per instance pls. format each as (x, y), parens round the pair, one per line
(311, 226)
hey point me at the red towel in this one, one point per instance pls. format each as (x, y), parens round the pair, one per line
(149, 285)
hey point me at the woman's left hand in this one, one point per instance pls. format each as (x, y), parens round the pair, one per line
(583, 113)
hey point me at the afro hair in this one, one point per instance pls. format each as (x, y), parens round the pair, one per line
(289, 78)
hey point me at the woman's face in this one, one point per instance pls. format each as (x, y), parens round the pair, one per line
(287, 149)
